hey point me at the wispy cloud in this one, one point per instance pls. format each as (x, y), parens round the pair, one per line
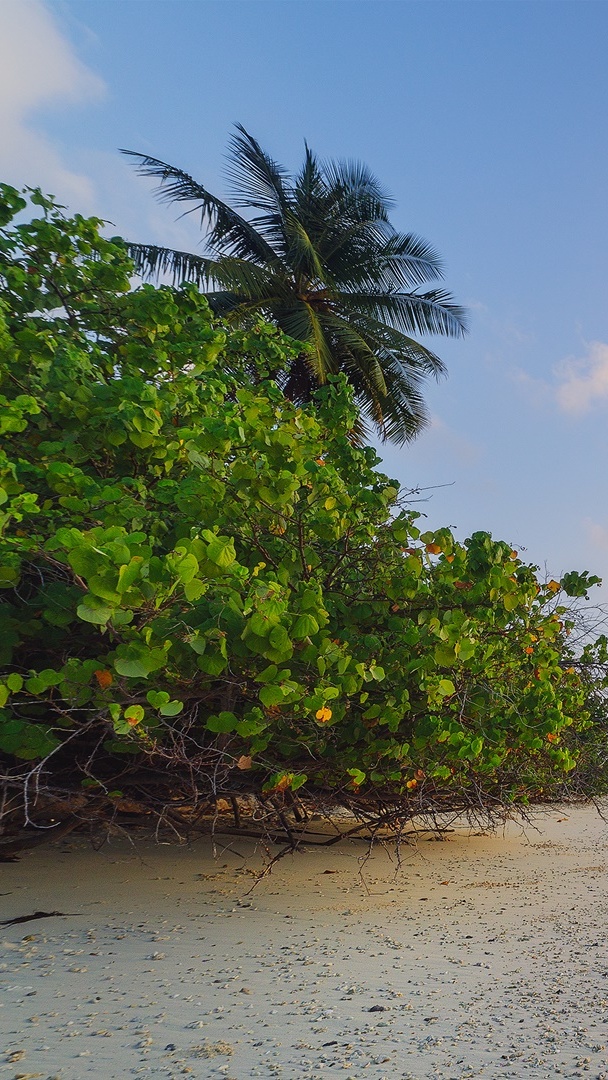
(596, 533)
(536, 391)
(38, 68)
(451, 444)
(583, 382)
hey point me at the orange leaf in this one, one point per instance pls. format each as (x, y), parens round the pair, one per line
(433, 549)
(104, 678)
(553, 586)
(323, 714)
(284, 782)
(411, 784)
(552, 738)
(529, 650)
(244, 762)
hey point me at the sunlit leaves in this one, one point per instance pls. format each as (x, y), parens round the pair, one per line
(190, 560)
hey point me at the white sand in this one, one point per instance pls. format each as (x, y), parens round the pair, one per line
(482, 957)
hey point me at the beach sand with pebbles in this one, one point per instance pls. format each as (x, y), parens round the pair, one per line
(480, 956)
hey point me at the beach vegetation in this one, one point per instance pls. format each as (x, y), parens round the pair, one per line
(214, 605)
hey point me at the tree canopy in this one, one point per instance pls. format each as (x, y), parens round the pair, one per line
(209, 592)
(317, 255)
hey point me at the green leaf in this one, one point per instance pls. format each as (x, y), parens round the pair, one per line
(187, 568)
(193, 590)
(224, 723)
(357, 775)
(446, 688)
(221, 551)
(212, 664)
(329, 692)
(260, 624)
(93, 611)
(445, 656)
(26, 741)
(135, 713)
(132, 669)
(279, 638)
(271, 695)
(268, 675)
(172, 708)
(305, 626)
(137, 661)
(197, 643)
(156, 698)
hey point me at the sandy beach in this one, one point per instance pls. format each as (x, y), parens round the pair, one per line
(481, 956)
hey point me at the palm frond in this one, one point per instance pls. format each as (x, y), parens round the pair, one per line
(411, 313)
(249, 281)
(309, 189)
(226, 230)
(391, 346)
(303, 323)
(255, 179)
(302, 254)
(386, 390)
(410, 260)
(356, 190)
(152, 261)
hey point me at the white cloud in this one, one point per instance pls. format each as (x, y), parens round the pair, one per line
(536, 391)
(450, 444)
(38, 68)
(584, 381)
(596, 533)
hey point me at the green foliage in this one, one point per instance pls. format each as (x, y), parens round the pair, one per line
(196, 571)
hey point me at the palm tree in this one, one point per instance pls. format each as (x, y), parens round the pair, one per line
(317, 255)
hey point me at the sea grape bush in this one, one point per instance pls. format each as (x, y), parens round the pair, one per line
(201, 577)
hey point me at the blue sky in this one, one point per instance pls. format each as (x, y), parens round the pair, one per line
(487, 121)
